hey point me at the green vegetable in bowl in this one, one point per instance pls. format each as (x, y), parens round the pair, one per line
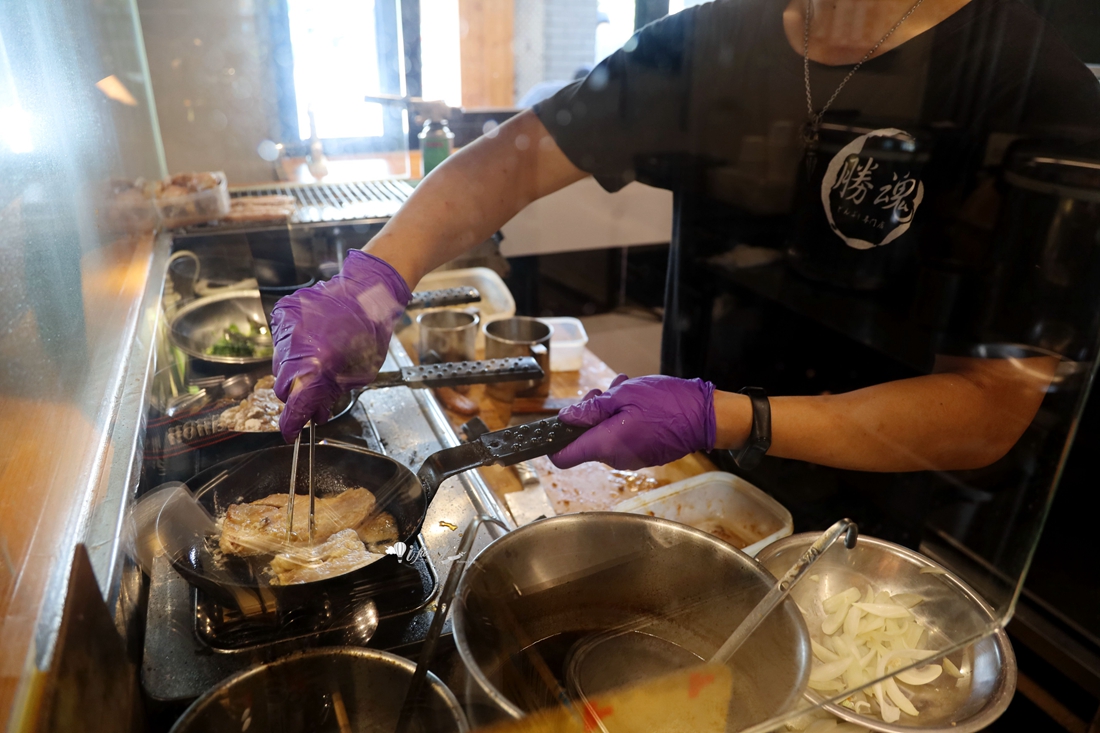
(234, 343)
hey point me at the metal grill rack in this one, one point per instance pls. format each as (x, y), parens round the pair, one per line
(317, 205)
(335, 202)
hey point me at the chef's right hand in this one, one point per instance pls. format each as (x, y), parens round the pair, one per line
(333, 337)
(640, 422)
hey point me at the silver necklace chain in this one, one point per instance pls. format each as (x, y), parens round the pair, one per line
(815, 118)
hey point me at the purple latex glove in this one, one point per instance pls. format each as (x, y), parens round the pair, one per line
(647, 421)
(333, 337)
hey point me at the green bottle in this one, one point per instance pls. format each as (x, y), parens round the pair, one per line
(436, 143)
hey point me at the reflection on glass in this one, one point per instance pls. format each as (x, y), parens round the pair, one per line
(441, 64)
(335, 66)
(910, 279)
(616, 25)
(77, 150)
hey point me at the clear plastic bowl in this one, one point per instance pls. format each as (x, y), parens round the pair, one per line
(195, 208)
(566, 344)
(720, 503)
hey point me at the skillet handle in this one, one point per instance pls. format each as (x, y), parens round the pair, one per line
(502, 447)
(530, 440)
(439, 298)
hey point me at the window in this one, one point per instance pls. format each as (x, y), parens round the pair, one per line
(339, 53)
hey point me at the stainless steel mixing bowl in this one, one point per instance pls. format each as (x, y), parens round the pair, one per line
(553, 584)
(951, 610)
(199, 324)
(322, 691)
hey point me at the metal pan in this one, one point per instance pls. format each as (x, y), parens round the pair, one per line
(329, 689)
(173, 436)
(238, 582)
(199, 324)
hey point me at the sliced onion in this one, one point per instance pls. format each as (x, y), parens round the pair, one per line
(833, 621)
(952, 669)
(871, 623)
(829, 670)
(865, 632)
(907, 599)
(851, 622)
(921, 675)
(882, 637)
(825, 654)
(833, 685)
(898, 698)
(841, 600)
(855, 676)
(883, 609)
(896, 627)
(890, 712)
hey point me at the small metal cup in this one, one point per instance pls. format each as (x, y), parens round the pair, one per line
(447, 335)
(519, 336)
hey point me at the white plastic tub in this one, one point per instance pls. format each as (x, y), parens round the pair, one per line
(496, 303)
(720, 503)
(566, 343)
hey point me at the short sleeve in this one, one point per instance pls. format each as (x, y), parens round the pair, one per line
(632, 106)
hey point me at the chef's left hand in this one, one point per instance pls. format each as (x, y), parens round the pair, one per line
(646, 421)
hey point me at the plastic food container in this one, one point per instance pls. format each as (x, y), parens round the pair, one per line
(496, 299)
(720, 503)
(207, 204)
(566, 344)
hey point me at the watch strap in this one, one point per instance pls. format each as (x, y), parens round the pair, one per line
(760, 437)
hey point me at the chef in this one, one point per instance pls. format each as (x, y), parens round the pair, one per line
(864, 134)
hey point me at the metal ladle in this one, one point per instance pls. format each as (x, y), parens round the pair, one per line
(845, 527)
(443, 607)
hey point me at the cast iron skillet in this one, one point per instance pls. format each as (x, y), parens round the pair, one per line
(234, 582)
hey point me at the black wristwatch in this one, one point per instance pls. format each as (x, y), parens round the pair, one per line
(760, 438)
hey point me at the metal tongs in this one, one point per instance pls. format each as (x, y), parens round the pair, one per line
(294, 485)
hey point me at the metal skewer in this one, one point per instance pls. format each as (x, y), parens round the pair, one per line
(312, 444)
(293, 485)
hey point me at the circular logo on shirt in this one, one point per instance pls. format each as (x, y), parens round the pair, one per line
(871, 189)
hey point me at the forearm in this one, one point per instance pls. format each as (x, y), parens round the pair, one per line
(473, 194)
(951, 420)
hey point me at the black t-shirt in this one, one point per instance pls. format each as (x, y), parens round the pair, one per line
(906, 187)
